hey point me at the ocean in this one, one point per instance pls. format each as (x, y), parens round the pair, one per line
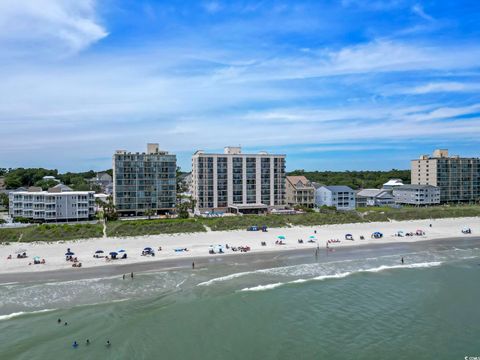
(355, 303)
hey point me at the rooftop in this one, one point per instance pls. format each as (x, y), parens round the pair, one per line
(338, 188)
(299, 181)
(415, 187)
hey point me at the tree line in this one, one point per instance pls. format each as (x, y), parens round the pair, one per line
(26, 177)
(354, 179)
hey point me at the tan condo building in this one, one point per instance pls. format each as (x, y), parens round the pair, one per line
(299, 191)
(237, 182)
(458, 178)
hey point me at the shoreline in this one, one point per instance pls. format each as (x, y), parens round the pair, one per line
(263, 259)
(199, 244)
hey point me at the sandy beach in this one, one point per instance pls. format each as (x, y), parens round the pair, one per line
(198, 244)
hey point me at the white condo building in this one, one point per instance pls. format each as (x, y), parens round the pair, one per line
(237, 182)
(59, 203)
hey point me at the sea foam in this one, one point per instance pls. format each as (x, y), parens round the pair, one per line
(343, 275)
(20, 313)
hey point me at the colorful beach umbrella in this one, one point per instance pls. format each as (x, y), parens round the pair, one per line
(281, 237)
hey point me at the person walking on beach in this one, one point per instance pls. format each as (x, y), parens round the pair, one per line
(402, 260)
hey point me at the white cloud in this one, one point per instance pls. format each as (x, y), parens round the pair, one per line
(438, 87)
(66, 24)
(418, 9)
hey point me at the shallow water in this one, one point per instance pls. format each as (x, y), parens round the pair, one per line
(358, 303)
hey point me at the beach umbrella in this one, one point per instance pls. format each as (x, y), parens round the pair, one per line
(99, 252)
(113, 253)
(69, 253)
(121, 250)
(148, 249)
(35, 258)
(312, 237)
(281, 237)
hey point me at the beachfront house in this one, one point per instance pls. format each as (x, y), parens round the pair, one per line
(299, 191)
(341, 197)
(374, 197)
(417, 195)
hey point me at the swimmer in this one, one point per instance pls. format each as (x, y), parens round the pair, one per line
(59, 320)
(75, 344)
(65, 323)
(87, 342)
(108, 343)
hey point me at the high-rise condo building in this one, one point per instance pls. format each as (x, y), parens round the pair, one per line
(458, 178)
(144, 181)
(237, 182)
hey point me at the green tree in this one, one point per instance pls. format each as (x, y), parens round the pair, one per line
(182, 210)
(149, 213)
(4, 200)
(108, 208)
(46, 184)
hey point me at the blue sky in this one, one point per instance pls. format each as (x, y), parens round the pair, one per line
(335, 85)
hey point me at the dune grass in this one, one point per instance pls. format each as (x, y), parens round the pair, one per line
(51, 232)
(153, 227)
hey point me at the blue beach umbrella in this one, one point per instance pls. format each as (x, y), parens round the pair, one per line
(69, 253)
(121, 251)
(99, 252)
(148, 249)
(113, 253)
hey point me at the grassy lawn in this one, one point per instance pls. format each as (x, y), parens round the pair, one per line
(51, 232)
(153, 227)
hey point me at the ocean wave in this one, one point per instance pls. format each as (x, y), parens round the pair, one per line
(20, 313)
(226, 278)
(263, 287)
(343, 275)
